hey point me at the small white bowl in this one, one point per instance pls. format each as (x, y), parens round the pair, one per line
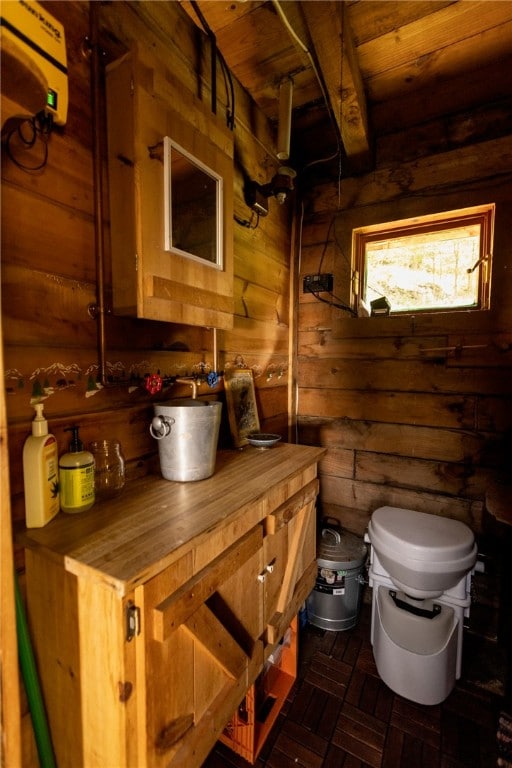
(263, 439)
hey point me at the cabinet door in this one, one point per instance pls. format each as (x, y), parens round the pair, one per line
(198, 651)
(151, 278)
(289, 555)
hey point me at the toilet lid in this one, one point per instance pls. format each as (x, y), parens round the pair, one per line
(420, 536)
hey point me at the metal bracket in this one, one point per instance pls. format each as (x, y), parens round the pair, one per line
(94, 310)
(132, 621)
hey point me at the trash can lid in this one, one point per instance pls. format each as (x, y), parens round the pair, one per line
(342, 548)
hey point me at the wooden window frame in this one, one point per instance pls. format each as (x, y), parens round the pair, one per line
(482, 215)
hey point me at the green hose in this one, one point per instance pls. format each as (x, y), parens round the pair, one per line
(32, 687)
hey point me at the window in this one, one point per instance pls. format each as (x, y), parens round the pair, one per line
(429, 263)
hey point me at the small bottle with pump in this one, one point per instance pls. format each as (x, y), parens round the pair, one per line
(40, 473)
(76, 472)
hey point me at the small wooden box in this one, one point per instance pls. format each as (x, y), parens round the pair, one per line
(249, 727)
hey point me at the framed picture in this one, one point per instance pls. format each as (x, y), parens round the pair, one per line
(241, 404)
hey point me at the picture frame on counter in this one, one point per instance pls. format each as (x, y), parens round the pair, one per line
(241, 405)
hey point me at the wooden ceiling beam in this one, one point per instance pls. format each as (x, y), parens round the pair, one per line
(335, 52)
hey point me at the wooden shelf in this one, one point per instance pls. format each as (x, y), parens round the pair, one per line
(251, 724)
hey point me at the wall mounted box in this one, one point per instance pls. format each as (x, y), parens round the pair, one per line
(143, 108)
(33, 45)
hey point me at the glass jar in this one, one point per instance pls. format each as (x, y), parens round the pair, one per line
(108, 468)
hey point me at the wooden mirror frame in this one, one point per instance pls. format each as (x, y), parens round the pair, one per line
(199, 191)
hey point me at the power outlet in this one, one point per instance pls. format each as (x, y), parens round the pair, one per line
(318, 283)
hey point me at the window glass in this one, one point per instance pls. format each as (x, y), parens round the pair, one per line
(426, 264)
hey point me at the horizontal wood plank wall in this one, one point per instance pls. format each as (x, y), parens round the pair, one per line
(416, 411)
(49, 269)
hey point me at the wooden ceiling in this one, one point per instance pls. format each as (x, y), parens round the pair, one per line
(385, 67)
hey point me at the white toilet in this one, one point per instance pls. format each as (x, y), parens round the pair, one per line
(420, 571)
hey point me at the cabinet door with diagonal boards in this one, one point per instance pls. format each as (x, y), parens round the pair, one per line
(200, 648)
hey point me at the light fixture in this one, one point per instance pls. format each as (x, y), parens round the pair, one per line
(285, 118)
(256, 195)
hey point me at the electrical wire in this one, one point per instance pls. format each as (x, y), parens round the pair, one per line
(228, 83)
(331, 226)
(40, 128)
(213, 54)
(248, 224)
(336, 302)
(228, 80)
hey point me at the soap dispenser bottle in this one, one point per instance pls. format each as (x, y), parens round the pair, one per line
(40, 473)
(76, 472)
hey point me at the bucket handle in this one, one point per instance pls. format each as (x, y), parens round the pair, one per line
(332, 522)
(160, 427)
(329, 532)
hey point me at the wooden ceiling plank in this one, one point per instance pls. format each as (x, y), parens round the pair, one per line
(405, 63)
(259, 52)
(371, 20)
(445, 133)
(468, 91)
(220, 14)
(443, 65)
(332, 41)
(468, 19)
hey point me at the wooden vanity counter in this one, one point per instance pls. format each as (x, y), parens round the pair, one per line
(153, 612)
(153, 521)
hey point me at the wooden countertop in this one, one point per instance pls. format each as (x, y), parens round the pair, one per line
(125, 540)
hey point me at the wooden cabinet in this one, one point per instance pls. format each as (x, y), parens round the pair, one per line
(151, 277)
(153, 613)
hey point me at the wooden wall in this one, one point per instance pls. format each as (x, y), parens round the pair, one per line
(404, 424)
(49, 275)
(416, 410)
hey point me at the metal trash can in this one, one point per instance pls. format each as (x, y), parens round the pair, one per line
(335, 600)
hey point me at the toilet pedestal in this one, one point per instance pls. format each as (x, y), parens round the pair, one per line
(419, 658)
(426, 676)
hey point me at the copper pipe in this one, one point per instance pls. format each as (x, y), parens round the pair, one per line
(191, 383)
(215, 353)
(98, 188)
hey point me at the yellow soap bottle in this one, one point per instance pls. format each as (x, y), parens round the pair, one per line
(40, 473)
(76, 473)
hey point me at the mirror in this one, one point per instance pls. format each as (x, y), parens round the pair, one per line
(193, 207)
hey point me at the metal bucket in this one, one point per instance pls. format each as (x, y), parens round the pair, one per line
(187, 432)
(335, 600)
